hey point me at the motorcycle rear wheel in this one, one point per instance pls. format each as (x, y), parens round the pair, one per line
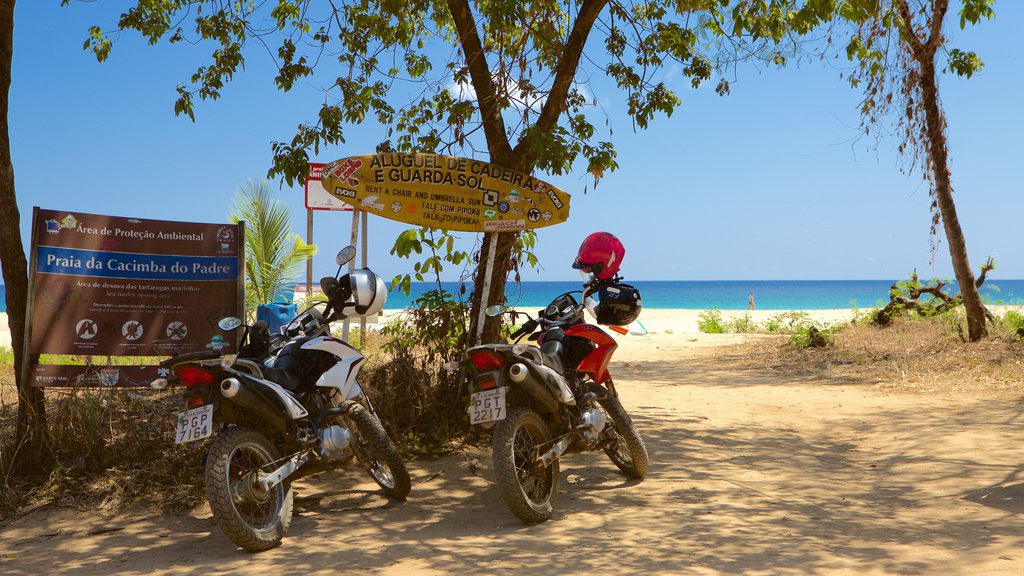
(375, 449)
(252, 518)
(628, 452)
(527, 488)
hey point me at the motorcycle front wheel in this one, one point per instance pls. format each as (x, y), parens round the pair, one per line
(378, 453)
(627, 449)
(253, 518)
(527, 488)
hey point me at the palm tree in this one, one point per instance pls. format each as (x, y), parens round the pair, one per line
(272, 253)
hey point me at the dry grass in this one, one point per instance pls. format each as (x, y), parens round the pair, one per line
(921, 354)
(114, 449)
(110, 449)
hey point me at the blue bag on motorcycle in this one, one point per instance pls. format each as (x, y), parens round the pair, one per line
(276, 315)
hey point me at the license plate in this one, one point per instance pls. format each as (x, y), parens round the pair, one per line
(487, 406)
(194, 424)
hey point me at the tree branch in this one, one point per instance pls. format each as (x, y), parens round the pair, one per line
(939, 9)
(483, 85)
(908, 30)
(565, 73)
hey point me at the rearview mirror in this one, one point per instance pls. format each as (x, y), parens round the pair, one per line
(495, 310)
(228, 324)
(345, 255)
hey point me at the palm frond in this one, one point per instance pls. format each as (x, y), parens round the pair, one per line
(273, 254)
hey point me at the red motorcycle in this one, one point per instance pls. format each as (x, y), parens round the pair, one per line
(556, 397)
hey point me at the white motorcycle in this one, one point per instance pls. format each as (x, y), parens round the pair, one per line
(283, 410)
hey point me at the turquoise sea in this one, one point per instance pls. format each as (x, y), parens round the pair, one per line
(733, 294)
(723, 294)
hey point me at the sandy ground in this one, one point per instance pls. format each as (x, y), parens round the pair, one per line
(752, 472)
(5, 331)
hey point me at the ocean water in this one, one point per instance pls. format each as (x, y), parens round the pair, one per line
(733, 294)
(721, 294)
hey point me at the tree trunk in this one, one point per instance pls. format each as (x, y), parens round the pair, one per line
(502, 265)
(31, 429)
(939, 157)
(524, 156)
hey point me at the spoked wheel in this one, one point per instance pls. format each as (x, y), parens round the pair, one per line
(378, 453)
(528, 488)
(627, 448)
(253, 518)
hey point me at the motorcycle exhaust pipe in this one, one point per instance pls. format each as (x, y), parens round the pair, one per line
(518, 372)
(521, 375)
(243, 396)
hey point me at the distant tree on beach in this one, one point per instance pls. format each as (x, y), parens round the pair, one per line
(507, 78)
(273, 254)
(896, 46)
(30, 434)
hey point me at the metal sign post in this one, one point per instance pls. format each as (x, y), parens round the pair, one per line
(491, 251)
(351, 266)
(309, 260)
(362, 319)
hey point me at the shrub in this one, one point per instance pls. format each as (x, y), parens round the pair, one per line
(787, 321)
(419, 404)
(710, 322)
(1013, 322)
(743, 324)
(810, 336)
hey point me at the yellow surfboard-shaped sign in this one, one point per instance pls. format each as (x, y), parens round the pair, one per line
(445, 192)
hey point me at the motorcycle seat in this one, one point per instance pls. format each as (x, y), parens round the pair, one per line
(552, 354)
(286, 368)
(286, 378)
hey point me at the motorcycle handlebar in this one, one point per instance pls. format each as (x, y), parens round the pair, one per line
(527, 328)
(336, 292)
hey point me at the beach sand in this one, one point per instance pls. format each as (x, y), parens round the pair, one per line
(663, 321)
(5, 331)
(656, 321)
(752, 471)
(683, 321)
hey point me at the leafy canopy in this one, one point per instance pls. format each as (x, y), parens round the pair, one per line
(509, 77)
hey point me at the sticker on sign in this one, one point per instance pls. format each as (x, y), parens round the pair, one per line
(317, 197)
(504, 225)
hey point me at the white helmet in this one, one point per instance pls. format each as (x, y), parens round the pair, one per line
(368, 293)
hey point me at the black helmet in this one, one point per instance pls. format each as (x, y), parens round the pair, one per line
(614, 304)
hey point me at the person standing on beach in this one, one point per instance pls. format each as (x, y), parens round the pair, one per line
(750, 304)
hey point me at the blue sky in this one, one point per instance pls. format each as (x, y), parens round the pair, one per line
(770, 182)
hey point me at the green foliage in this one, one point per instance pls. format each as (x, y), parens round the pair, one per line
(419, 402)
(811, 336)
(440, 247)
(787, 321)
(531, 52)
(436, 324)
(964, 64)
(273, 254)
(710, 322)
(1013, 322)
(742, 324)
(796, 322)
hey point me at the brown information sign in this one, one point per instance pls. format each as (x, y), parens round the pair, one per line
(110, 286)
(445, 192)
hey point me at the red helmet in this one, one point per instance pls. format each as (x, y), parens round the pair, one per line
(601, 254)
